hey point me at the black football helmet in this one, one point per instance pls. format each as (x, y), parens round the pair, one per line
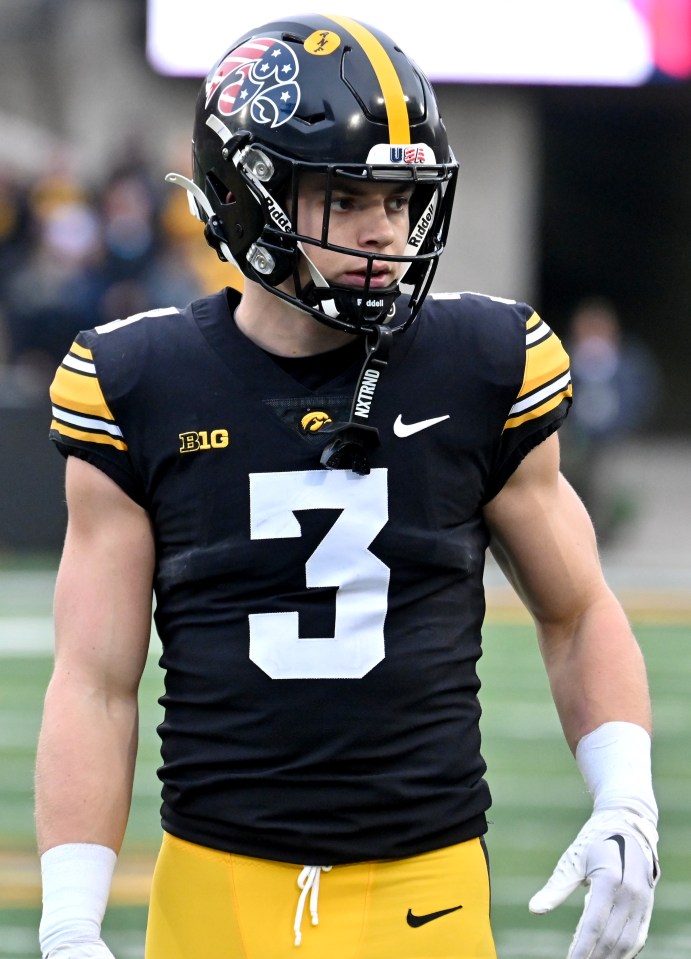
(329, 95)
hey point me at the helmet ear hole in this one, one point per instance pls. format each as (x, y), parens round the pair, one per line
(238, 214)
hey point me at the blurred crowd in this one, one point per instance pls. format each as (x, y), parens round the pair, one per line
(617, 386)
(74, 254)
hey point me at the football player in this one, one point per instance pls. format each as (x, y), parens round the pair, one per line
(307, 478)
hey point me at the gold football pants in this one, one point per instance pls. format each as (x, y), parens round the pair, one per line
(207, 904)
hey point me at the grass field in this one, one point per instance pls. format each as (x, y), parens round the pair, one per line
(539, 800)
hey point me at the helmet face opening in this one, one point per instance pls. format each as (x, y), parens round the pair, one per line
(330, 97)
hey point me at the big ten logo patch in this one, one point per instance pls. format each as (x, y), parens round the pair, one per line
(196, 440)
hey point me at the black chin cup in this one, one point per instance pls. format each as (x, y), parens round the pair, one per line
(361, 308)
(349, 448)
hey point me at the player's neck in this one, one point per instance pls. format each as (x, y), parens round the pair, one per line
(280, 328)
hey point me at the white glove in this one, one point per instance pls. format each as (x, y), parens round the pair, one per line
(81, 950)
(615, 856)
(615, 853)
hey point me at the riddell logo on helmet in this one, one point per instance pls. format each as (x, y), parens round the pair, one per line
(376, 304)
(423, 225)
(277, 214)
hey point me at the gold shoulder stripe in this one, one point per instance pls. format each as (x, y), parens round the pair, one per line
(61, 429)
(80, 410)
(81, 351)
(538, 411)
(72, 390)
(392, 91)
(544, 360)
(540, 401)
(547, 375)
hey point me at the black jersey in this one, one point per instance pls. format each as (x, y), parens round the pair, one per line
(320, 629)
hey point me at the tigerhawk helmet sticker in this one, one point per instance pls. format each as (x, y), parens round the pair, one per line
(260, 74)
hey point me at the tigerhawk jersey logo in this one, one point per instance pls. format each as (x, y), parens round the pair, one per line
(313, 421)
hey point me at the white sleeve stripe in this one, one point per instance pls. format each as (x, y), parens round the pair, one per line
(535, 399)
(88, 422)
(116, 324)
(457, 296)
(541, 332)
(81, 366)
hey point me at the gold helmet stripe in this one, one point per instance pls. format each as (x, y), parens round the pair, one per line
(392, 91)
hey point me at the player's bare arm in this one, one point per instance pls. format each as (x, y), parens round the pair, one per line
(102, 624)
(544, 541)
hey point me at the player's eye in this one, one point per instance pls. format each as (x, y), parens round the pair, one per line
(341, 204)
(397, 204)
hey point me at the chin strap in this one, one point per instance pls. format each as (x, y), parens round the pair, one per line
(352, 440)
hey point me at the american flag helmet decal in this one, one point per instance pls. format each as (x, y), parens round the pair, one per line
(261, 73)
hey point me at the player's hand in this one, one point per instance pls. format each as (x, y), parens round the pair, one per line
(615, 856)
(81, 950)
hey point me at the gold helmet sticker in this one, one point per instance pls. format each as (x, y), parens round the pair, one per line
(314, 420)
(322, 42)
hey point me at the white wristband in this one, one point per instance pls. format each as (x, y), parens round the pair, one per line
(614, 760)
(76, 883)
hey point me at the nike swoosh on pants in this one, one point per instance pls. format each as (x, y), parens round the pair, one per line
(416, 921)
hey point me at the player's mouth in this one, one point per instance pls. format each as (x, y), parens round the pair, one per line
(380, 277)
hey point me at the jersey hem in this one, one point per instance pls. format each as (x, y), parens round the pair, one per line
(318, 855)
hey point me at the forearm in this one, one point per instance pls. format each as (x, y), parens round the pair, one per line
(596, 670)
(85, 765)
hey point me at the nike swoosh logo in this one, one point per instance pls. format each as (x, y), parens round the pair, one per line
(416, 921)
(619, 840)
(407, 429)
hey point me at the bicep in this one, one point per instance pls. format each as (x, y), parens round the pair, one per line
(543, 539)
(103, 594)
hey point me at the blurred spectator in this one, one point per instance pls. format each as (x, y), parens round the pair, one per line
(54, 286)
(128, 216)
(74, 255)
(23, 381)
(13, 227)
(616, 384)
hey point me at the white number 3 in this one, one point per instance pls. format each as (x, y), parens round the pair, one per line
(342, 559)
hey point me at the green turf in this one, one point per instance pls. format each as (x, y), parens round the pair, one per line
(539, 799)
(540, 803)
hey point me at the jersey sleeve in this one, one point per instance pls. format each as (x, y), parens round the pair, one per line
(83, 424)
(542, 402)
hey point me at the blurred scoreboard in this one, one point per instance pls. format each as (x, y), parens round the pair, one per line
(558, 42)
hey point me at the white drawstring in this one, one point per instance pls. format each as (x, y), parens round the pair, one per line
(308, 881)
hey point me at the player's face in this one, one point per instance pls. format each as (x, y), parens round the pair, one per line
(369, 217)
